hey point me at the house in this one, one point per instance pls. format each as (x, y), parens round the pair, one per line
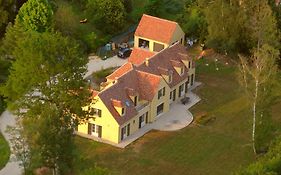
(143, 89)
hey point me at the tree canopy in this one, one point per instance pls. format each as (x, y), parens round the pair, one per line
(109, 14)
(46, 79)
(36, 15)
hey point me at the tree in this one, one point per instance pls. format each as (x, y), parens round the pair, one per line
(7, 13)
(36, 15)
(193, 21)
(153, 7)
(33, 15)
(261, 24)
(225, 25)
(268, 164)
(128, 5)
(257, 72)
(47, 78)
(109, 15)
(56, 145)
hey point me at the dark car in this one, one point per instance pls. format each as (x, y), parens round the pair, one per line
(124, 53)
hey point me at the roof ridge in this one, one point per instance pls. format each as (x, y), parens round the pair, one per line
(132, 67)
(160, 18)
(141, 71)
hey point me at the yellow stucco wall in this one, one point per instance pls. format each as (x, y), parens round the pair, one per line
(109, 125)
(151, 43)
(155, 101)
(177, 36)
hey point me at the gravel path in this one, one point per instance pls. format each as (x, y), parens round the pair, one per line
(96, 64)
(12, 167)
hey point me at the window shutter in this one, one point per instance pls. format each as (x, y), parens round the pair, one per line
(99, 131)
(128, 129)
(89, 128)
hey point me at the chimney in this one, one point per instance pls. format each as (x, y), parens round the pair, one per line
(147, 61)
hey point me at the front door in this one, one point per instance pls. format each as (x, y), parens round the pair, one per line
(174, 94)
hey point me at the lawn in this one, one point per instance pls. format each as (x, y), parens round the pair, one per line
(4, 151)
(217, 148)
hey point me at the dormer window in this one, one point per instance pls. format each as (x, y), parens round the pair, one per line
(189, 64)
(122, 111)
(136, 100)
(170, 78)
(182, 70)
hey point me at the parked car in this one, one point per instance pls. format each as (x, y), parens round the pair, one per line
(124, 53)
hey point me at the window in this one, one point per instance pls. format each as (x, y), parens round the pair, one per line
(170, 78)
(143, 44)
(125, 131)
(123, 111)
(141, 121)
(96, 112)
(182, 70)
(136, 100)
(192, 79)
(171, 95)
(160, 108)
(94, 130)
(181, 90)
(161, 92)
(189, 64)
(186, 86)
(157, 47)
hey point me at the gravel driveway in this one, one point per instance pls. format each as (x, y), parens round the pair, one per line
(96, 64)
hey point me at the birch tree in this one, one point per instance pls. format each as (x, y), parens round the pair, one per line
(256, 72)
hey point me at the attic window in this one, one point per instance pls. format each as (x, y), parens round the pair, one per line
(122, 111)
(189, 64)
(182, 70)
(170, 78)
(136, 100)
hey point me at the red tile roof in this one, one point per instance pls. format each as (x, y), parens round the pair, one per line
(120, 71)
(163, 60)
(138, 55)
(116, 95)
(156, 28)
(143, 80)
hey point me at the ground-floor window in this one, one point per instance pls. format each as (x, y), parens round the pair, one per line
(94, 130)
(186, 87)
(125, 131)
(143, 119)
(192, 79)
(160, 108)
(181, 90)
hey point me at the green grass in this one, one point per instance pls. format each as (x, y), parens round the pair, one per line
(216, 148)
(4, 152)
